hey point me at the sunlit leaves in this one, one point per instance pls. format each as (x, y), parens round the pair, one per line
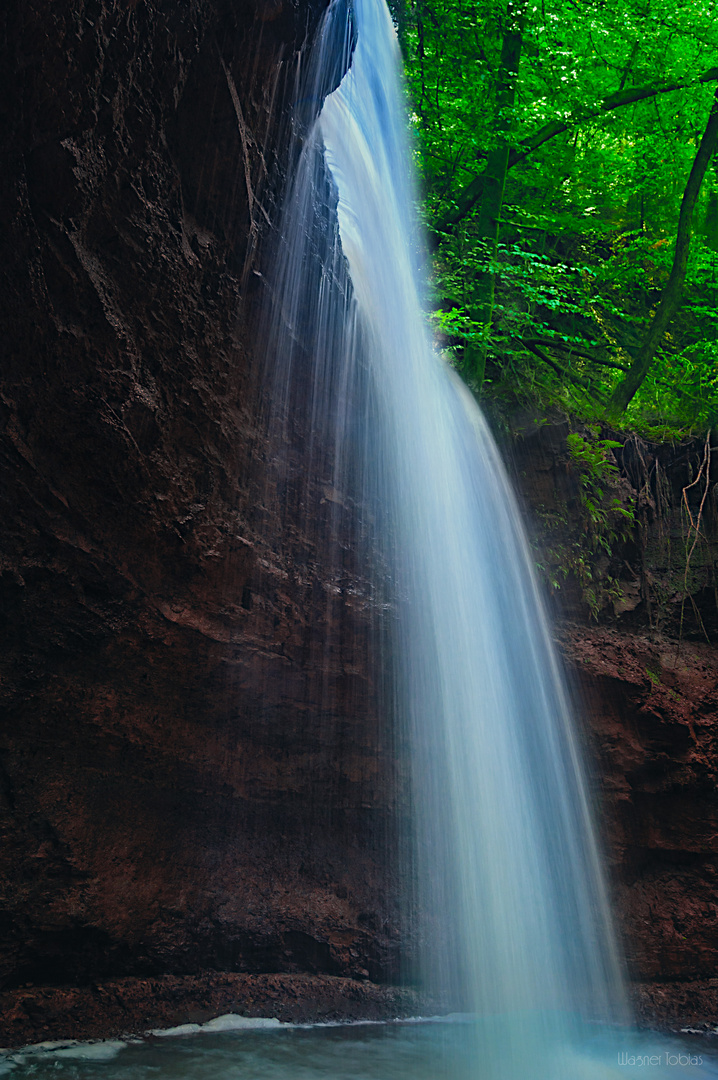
(587, 236)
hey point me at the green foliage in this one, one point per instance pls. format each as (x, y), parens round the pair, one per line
(589, 218)
(581, 536)
(607, 519)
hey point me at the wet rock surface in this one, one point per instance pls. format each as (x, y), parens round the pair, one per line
(136, 1006)
(652, 712)
(190, 778)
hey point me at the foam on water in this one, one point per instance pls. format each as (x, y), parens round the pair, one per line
(228, 1022)
(62, 1050)
(446, 1049)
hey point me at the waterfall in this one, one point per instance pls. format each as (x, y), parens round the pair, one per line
(514, 917)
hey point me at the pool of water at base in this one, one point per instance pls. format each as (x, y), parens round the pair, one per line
(426, 1050)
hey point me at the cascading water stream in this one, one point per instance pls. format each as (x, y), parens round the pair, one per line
(502, 814)
(514, 913)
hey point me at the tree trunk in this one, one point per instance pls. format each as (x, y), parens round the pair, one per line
(494, 181)
(671, 297)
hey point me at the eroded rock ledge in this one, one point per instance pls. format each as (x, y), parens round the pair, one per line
(136, 1006)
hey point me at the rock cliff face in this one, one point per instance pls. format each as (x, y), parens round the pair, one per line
(652, 711)
(189, 778)
(195, 790)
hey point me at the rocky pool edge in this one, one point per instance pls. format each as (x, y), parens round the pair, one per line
(136, 1005)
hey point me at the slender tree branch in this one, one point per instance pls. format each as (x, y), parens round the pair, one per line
(470, 195)
(562, 371)
(567, 346)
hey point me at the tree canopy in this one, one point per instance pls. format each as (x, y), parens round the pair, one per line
(567, 151)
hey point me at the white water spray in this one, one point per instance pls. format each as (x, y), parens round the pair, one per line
(516, 923)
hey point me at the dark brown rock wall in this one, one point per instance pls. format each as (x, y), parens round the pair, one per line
(189, 777)
(653, 714)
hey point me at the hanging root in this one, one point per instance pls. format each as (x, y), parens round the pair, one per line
(695, 527)
(246, 139)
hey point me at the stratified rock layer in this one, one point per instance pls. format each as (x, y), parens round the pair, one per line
(652, 708)
(137, 1006)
